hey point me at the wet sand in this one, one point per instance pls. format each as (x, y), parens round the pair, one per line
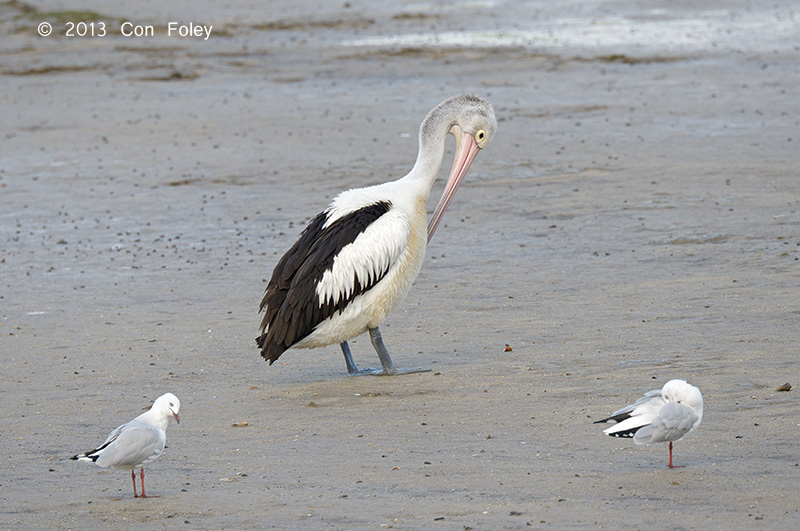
(635, 220)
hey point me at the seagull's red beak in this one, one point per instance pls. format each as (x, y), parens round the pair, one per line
(466, 150)
(177, 418)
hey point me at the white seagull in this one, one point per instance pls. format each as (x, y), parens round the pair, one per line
(138, 442)
(661, 415)
(356, 260)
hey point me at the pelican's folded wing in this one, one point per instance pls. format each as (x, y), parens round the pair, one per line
(333, 262)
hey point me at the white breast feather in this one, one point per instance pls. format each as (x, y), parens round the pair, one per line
(372, 252)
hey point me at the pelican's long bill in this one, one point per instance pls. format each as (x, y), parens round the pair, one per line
(466, 150)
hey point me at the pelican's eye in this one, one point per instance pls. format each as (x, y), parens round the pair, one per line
(480, 136)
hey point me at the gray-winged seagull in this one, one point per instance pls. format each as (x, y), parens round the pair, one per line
(661, 415)
(138, 442)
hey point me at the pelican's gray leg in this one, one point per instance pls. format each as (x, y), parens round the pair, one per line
(383, 354)
(348, 359)
(380, 348)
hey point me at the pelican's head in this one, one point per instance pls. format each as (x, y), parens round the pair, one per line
(471, 121)
(474, 117)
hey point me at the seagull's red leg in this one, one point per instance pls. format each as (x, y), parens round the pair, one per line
(141, 475)
(670, 458)
(133, 477)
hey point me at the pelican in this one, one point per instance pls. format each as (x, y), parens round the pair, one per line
(661, 415)
(356, 260)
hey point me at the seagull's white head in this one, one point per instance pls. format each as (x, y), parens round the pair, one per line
(681, 392)
(169, 406)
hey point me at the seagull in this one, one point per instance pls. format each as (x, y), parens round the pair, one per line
(661, 415)
(356, 260)
(138, 442)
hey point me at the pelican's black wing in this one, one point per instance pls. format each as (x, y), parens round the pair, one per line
(291, 306)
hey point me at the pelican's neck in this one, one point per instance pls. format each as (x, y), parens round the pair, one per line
(432, 136)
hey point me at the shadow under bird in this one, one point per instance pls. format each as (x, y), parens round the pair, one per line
(661, 415)
(357, 260)
(137, 443)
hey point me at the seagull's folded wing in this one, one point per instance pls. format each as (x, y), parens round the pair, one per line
(136, 445)
(672, 423)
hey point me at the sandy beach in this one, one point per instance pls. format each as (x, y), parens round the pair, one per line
(635, 219)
